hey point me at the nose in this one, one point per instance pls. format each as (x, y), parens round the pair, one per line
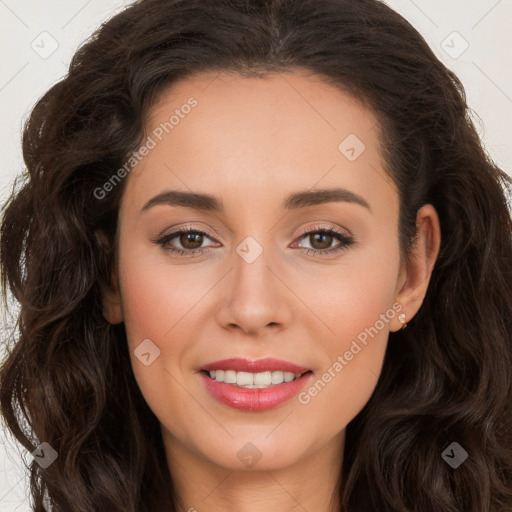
(254, 294)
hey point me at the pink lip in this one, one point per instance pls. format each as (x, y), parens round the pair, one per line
(260, 365)
(254, 399)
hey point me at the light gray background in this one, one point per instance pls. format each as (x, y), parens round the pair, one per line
(31, 29)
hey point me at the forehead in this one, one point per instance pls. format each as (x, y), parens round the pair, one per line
(282, 132)
(284, 107)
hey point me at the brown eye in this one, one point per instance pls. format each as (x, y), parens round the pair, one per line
(191, 241)
(322, 240)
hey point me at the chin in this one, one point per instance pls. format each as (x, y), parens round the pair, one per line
(256, 454)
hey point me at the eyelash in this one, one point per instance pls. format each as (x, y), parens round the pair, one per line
(345, 240)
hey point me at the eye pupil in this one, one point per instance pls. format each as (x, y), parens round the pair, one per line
(186, 237)
(325, 235)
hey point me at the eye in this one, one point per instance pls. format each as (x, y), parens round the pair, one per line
(192, 239)
(321, 238)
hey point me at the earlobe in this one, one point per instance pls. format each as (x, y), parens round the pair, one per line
(421, 263)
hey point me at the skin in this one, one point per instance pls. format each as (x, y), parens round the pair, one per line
(253, 141)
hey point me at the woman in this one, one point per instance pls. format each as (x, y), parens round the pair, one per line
(181, 349)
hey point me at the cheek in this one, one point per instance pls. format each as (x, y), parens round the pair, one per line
(351, 364)
(354, 294)
(357, 307)
(156, 299)
(156, 306)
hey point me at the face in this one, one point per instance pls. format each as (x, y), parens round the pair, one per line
(271, 269)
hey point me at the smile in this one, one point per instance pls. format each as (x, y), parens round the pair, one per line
(250, 380)
(254, 385)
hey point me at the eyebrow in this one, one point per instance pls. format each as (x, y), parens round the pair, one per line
(301, 199)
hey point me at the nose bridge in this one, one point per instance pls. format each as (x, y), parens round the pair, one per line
(252, 274)
(254, 297)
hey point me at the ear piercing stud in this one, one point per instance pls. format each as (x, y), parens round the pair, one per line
(401, 319)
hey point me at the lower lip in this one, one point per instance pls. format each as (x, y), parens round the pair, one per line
(254, 399)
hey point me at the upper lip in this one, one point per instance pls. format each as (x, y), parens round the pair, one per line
(255, 366)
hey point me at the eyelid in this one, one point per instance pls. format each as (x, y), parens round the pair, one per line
(306, 230)
(324, 227)
(190, 227)
(346, 240)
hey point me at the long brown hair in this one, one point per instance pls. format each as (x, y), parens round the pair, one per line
(447, 378)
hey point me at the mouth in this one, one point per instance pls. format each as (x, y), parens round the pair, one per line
(249, 380)
(254, 385)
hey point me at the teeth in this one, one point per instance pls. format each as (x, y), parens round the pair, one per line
(262, 379)
(288, 376)
(277, 377)
(253, 380)
(243, 379)
(229, 376)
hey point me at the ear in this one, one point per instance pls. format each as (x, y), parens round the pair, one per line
(112, 310)
(111, 297)
(414, 279)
